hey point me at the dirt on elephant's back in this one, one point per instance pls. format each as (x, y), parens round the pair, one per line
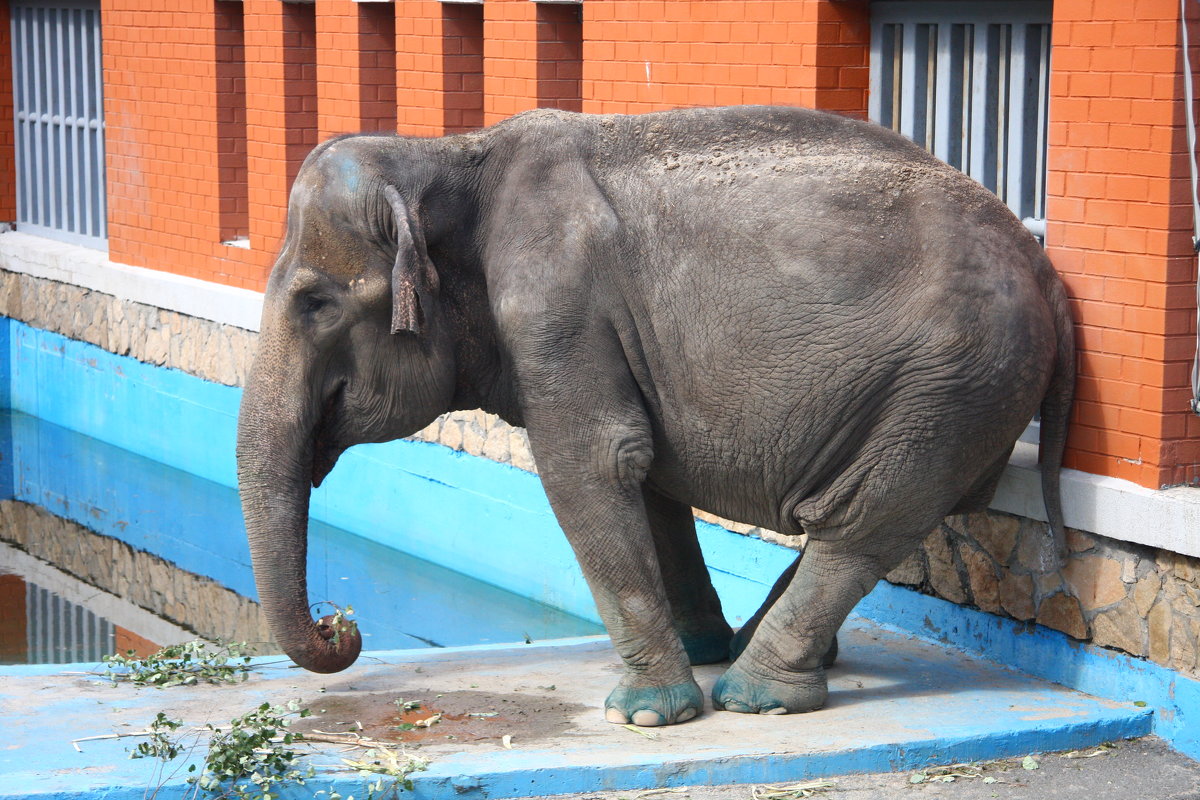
(426, 716)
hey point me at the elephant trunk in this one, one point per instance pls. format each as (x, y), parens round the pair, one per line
(275, 467)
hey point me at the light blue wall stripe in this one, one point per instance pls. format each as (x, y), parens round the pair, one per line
(487, 520)
(492, 521)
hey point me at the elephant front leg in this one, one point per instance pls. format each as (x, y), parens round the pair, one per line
(595, 488)
(695, 606)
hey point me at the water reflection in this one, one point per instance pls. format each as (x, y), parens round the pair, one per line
(196, 525)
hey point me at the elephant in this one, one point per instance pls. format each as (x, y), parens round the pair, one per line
(778, 315)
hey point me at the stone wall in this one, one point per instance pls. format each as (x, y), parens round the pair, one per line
(208, 350)
(183, 598)
(1143, 601)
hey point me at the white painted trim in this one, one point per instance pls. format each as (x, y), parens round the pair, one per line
(91, 269)
(115, 609)
(1118, 509)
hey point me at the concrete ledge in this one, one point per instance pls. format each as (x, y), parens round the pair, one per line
(91, 269)
(896, 703)
(1111, 507)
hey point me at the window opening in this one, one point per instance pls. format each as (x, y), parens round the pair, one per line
(969, 82)
(58, 105)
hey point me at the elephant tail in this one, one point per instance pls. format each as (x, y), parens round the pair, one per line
(1056, 413)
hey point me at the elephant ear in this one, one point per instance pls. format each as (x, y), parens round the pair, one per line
(414, 279)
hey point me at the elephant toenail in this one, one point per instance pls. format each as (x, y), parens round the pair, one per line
(740, 708)
(774, 711)
(648, 719)
(615, 716)
(685, 715)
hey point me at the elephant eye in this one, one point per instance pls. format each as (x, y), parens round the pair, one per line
(312, 303)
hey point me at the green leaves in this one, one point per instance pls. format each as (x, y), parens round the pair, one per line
(184, 664)
(253, 756)
(160, 745)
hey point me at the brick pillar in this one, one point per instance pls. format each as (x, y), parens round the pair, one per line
(356, 67)
(281, 114)
(8, 168)
(161, 98)
(439, 49)
(1118, 230)
(841, 65)
(420, 100)
(510, 64)
(643, 56)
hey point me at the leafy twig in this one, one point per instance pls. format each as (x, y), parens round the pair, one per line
(184, 664)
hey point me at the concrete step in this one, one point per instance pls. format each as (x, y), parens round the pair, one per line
(896, 703)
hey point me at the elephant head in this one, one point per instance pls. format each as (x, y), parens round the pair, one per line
(354, 347)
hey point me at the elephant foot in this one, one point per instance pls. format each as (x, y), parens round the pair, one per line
(742, 638)
(708, 647)
(651, 706)
(738, 690)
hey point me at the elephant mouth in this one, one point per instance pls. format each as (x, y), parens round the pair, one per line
(326, 447)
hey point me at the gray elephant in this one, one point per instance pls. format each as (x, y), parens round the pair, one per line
(784, 317)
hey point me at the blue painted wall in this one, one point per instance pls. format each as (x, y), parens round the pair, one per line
(487, 520)
(6, 471)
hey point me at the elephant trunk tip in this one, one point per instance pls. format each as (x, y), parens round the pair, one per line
(337, 646)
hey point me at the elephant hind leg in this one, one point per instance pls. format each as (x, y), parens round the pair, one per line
(695, 606)
(746, 632)
(782, 668)
(980, 495)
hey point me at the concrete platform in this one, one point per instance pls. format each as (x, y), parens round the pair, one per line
(896, 703)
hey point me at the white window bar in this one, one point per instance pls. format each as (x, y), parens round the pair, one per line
(969, 81)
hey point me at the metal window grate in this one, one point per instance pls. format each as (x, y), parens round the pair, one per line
(970, 82)
(61, 632)
(59, 120)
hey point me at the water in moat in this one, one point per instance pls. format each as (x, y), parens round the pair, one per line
(136, 535)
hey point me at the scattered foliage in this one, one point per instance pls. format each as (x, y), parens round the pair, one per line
(254, 755)
(380, 762)
(160, 743)
(794, 791)
(184, 664)
(1104, 749)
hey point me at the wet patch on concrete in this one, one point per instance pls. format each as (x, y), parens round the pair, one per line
(418, 716)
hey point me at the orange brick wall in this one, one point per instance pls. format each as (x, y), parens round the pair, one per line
(8, 171)
(1119, 228)
(230, 68)
(356, 67)
(560, 56)
(510, 69)
(212, 105)
(641, 55)
(126, 641)
(14, 646)
(462, 66)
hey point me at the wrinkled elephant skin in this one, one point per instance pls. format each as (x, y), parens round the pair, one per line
(783, 317)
